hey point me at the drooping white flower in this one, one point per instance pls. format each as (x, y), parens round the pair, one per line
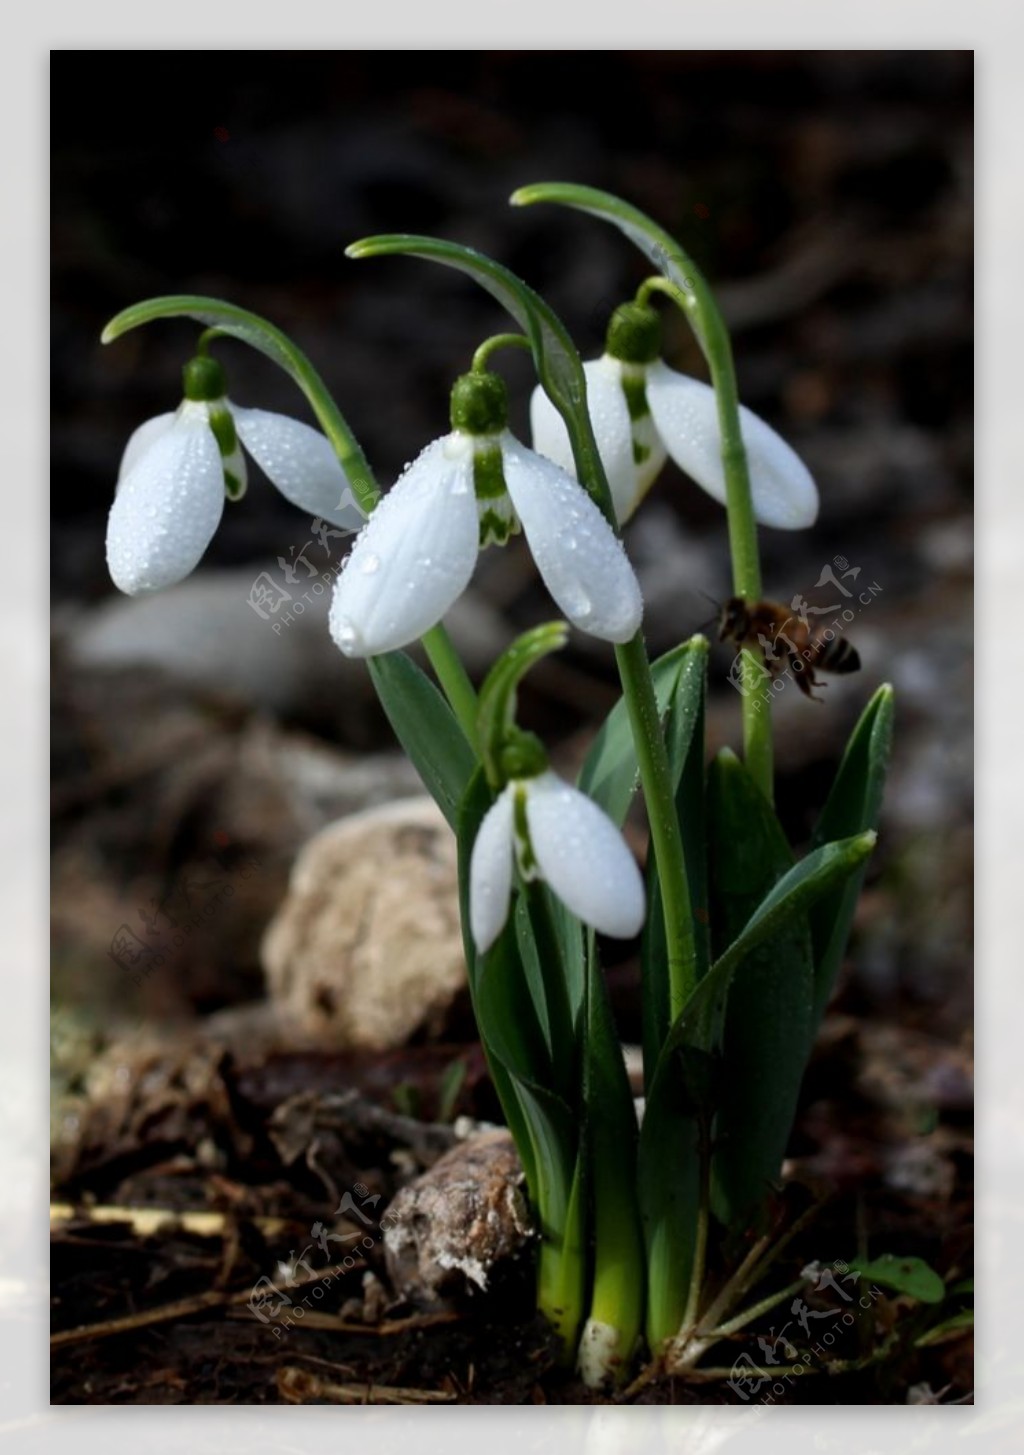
(177, 468)
(553, 832)
(472, 487)
(643, 411)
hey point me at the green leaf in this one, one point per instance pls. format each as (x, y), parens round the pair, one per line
(427, 729)
(852, 807)
(909, 1275)
(555, 357)
(684, 739)
(686, 1081)
(258, 333)
(668, 1184)
(610, 1143)
(948, 1329)
(766, 1035)
(700, 1023)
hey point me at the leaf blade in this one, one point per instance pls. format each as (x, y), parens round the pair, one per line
(766, 1030)
(852, 807)
(427, 729)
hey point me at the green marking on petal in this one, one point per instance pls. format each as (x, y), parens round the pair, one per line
(496, 527)
(641, 452)
(524, 849)
(488, 473)
(634, 387)
(223, 427)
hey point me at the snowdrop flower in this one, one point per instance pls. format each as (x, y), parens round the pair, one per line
(476, 486)
(556, 833)
(177, 469)
(642, 411)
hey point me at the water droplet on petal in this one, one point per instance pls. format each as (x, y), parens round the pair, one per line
(347, 637)
(576, 603)
(370, 565)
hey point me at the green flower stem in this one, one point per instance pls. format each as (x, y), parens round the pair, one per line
(491, 345)
(226, 320)
(700, 308)
(454, 679)
(684, 283)
(497, 710)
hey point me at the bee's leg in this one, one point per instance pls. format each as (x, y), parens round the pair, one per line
(806, 680)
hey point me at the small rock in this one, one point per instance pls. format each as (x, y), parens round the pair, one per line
(205, 632)
(455, 1222)
(366, 949)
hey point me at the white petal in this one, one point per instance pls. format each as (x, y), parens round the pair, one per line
(413, 558)
(167, 508)
(490, 873)
(301, 463)
(609, 415)
(146, 435)
(578, 554)
(783, 492)
(584, 858)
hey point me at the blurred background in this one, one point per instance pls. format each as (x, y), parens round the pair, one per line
(827, 196)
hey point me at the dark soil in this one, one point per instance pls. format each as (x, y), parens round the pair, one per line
(160, 1316)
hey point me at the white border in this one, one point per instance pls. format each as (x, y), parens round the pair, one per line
(986, 25)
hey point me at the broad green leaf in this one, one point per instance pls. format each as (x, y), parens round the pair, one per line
(427, 729)
(766, 1035)
(684, 738)
(541, 951)
(610, 1142)
(258, 333)
(610, 774)
(948, 1329)
(668, 1185)
(852, 807)
(909, 1275)
(686, 1081)
(701, 1021)
(571, 951)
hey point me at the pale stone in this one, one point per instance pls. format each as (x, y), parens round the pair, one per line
(449, 1228)
(366, 948)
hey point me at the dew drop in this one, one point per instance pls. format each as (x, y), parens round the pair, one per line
(577, 603)
(371, 565)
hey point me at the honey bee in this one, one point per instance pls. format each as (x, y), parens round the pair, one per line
(787, 640)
